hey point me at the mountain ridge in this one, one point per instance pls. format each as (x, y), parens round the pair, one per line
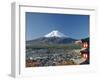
(54, 37)
(51, 40)
(55, 33)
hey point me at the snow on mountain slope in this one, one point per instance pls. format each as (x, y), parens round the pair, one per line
(55, 33)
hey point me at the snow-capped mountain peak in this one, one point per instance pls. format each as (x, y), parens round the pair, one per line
(55, 33)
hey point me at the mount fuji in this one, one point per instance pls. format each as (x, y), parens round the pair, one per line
(55, 33)
(54, 37)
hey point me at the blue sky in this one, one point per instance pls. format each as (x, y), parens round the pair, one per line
(39, 24)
